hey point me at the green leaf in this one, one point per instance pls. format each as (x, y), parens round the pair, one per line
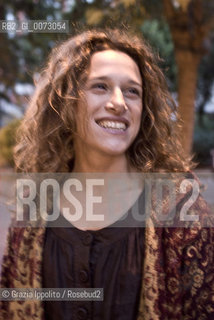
(94, 16)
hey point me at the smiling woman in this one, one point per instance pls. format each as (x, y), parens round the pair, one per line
(127, 70)
(109, 110)
(102, 106)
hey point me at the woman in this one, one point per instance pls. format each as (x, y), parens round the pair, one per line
(102, 105)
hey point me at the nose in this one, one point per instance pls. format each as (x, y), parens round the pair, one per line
(117, 102)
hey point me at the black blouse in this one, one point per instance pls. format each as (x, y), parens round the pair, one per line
(110, 258)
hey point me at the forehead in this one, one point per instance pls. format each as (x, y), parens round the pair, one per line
(112, 63)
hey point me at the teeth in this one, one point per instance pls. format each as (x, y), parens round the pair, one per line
(112, 125)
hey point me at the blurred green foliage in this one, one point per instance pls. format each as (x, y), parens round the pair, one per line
(204, 140)
(23, 55)
(7, 142)
(206, 78)
(158, 35)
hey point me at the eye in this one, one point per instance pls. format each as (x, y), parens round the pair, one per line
(133, 92)
(99, 86)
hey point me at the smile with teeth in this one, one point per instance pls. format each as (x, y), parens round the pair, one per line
(112, 124)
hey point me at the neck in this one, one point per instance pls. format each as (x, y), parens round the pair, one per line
(101, 163)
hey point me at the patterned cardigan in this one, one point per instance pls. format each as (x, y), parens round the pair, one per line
(177, 275)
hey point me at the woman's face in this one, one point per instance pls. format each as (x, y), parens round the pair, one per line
(109, 110)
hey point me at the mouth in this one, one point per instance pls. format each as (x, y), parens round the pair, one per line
(112, 124)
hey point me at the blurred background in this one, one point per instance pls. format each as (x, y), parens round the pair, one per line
(181, 32)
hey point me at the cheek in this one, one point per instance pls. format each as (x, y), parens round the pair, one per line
(138, 115)
(95, 103)
(138, 121)
(81, 118)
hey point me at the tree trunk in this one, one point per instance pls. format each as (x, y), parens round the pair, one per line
(189, 30)
(187, 63)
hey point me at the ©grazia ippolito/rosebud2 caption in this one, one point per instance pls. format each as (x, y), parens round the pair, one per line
(51, 294)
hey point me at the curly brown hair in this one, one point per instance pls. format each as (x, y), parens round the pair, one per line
(45, 139)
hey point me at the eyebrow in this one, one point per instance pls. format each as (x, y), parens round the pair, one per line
(107, 78)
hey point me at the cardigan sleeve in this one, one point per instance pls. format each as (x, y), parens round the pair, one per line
(21, 268)
(178, 271)
(189, 268)
(8, 272)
